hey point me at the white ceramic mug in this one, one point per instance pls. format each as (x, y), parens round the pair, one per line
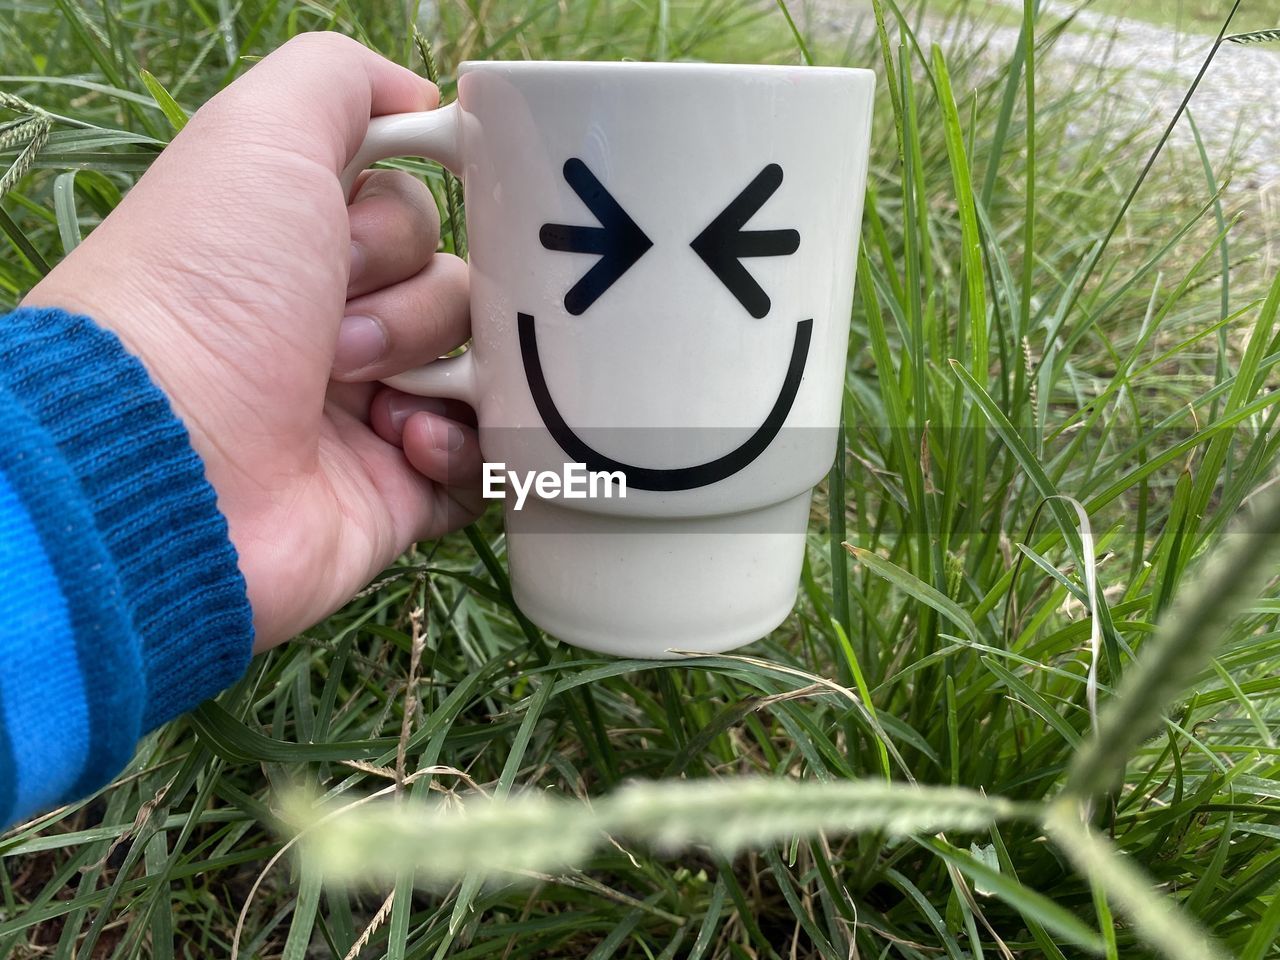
(662, 261)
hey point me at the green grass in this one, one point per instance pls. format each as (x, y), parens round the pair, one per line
(1188, 16)
(1002, 360)
(1192, 16)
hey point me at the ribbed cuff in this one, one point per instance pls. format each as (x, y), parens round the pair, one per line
(104, 696)
(154, 510)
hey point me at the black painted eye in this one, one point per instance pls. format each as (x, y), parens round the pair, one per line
(618, 241)
(724, 244)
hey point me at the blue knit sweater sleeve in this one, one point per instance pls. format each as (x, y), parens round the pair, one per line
(121, 604)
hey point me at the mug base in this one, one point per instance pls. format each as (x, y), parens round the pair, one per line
(656, 588)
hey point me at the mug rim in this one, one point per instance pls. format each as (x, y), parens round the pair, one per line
(665, 67)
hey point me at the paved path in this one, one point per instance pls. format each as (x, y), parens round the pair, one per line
(1238, 102)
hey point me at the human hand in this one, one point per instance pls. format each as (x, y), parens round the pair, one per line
(228, 270)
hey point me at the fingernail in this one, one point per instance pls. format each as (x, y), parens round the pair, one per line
(358, 261)
(444, 435)
(361, 341)
(401, 408)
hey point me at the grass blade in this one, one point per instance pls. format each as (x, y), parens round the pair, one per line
(1034, 907)
(176, 116)
(795, 33)
(64, 205)
(1184, 646)
(917, 589)
(970, 239)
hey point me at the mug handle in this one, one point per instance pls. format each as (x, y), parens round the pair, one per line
(433, 134)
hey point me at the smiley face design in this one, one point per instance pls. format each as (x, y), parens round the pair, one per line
(619, 243)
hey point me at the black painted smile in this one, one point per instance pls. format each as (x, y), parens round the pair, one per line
(677, 478)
